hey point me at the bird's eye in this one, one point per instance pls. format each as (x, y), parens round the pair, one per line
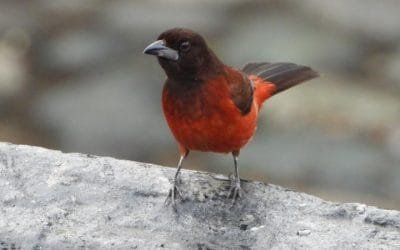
(185, 46)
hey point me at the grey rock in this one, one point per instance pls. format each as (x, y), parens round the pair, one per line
(303, 232)
(52, 200)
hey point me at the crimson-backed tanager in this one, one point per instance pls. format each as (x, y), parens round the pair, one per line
(210, 106)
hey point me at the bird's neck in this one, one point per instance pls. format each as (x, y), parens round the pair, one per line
(210, 67)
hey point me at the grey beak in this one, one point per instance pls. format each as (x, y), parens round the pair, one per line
(159, 49)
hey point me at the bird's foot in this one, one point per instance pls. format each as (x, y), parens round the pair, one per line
(174, 192)
(235, 190)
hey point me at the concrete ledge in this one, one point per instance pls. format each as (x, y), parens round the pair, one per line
(52, 200)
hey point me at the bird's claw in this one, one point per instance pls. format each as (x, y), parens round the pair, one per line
(172, 194)
(235, 191)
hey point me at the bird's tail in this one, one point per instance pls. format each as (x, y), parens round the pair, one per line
(282, 75)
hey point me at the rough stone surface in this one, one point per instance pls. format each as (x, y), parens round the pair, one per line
(53, 200)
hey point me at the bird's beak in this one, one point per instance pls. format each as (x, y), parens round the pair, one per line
(159, 49)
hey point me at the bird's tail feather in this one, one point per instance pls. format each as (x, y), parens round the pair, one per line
(282, 75)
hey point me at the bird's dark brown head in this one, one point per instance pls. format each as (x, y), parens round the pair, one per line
(184, 55)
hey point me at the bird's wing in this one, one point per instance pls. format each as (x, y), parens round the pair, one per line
(241, 90)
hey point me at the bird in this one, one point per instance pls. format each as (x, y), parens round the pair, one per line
(210, 106)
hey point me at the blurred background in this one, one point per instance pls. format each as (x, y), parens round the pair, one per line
(73, 78)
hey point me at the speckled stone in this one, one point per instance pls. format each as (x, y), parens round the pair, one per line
(53, 200)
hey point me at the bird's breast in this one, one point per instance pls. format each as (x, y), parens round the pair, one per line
(205, 118)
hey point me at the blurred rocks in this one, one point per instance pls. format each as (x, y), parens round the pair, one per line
(262, 35)
(73, 77)
(14, 44)
(149, 18)
(323, 161)
(392, 67)
(377, 20)
(351, 105)
(78, 51)
(393, 141)
(89, 119)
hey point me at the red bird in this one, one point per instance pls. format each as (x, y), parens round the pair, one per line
(210, 106)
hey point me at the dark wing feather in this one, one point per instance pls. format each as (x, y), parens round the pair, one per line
(242, 94)
(241, 89)
(283, 75)
(254, 67)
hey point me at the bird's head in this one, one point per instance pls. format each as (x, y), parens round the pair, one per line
(183, 54)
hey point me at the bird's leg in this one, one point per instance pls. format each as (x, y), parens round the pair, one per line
(174, 191)
(234, 191)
